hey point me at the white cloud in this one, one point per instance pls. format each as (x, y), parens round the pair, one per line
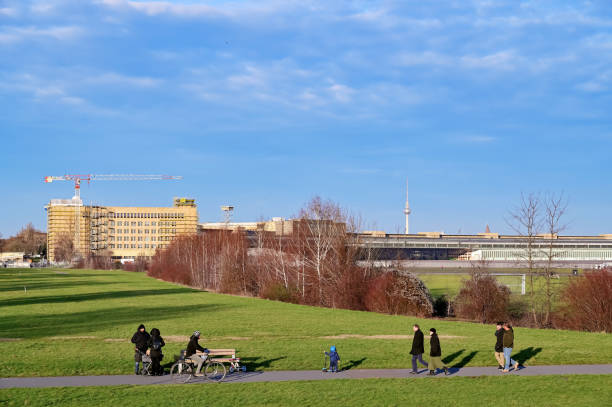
(599, 83)
(13, 34)
(115, 78)
(475, 139)
(233, 10)
(9, 12)
(153, 8)
(42, 8)
(423, 58)
(42, 90)
(251, 77)
(385, 18)
(503, 60)
(341, 93)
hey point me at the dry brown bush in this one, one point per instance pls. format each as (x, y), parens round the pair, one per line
(482, 298)
(587, 303)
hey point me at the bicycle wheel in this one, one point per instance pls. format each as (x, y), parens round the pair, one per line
(181, 372)
(215, 371)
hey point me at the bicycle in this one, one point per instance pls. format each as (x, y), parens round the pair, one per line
(184, 370)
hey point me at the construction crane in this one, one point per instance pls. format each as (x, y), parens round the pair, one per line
(107, 177)
(99, 177)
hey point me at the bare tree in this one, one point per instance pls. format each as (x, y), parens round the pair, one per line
(555, 207)
(64, 248)
(526, 221)
(321, 224)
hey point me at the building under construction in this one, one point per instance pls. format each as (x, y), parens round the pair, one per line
(121, 232)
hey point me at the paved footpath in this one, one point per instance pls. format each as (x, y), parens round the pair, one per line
(292, 375)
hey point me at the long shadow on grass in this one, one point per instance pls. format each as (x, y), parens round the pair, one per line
(449, 358)
(465, 360)
(352, 364)
(45, 325)
(254, 363)
(27, 300)
(526, 354)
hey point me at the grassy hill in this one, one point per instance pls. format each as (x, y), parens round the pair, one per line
(79, 322)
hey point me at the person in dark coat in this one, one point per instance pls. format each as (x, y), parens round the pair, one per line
(196, 352)
(141, 341)
(499, 345)
(418, 348)
(508, 342)
(435, 353)
(156, 343)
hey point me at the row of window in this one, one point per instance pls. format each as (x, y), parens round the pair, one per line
(141, 231)
(136, 246)
(133, 238)
(140, 223)
(145, 215)
(140, 238)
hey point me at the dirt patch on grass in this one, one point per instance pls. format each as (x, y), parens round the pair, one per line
(115, 340)
(9, 339)
(175, 338)
(356, 336)
(54, 338)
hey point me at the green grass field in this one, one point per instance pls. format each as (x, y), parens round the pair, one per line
(79, 322)
(555, 391)
(450, 284)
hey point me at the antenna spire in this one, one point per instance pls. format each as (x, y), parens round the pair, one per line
(407, 210)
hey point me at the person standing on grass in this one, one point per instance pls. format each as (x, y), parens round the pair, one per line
(156, 343)
(141, 340)
(499, 345)
(418, 348)
(508, 345)
(435, 353)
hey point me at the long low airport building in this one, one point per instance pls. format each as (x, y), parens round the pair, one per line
(488, 247)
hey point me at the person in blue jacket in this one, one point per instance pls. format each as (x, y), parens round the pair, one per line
(334, 358)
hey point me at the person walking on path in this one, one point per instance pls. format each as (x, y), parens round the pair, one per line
(499, 345)
(435, 354)
(156, 343)
(141, 341)
(418, 348)
(508, 343)
(194, 352)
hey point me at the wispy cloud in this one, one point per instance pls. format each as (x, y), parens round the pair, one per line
(153, 8)
(8, 11)
(502, 60)
(125, 80)
(50, 92)
(474, 139)
(13, 34)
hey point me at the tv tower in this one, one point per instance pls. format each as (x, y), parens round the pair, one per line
(407, 210)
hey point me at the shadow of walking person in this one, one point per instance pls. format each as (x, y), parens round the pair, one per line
(525, 354)
(465, 360)
(449, 358)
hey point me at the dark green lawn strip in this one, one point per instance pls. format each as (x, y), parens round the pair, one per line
(507, 391)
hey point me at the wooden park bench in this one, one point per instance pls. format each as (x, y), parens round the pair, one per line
(226, 356)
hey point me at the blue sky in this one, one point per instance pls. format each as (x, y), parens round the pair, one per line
(265, 104)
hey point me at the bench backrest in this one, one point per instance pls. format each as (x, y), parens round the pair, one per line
(222, 352)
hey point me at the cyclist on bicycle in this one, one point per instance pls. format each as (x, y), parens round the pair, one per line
(195, 351)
